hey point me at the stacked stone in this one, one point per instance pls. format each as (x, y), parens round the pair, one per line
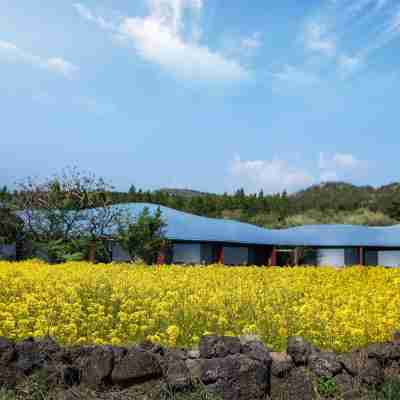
(233, 368)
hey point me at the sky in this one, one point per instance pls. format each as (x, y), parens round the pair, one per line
(210, 95)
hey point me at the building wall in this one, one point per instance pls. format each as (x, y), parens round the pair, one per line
(236, 255)
(371, 258)
(8, 252)
(352, 256)
(259, 255)
(207, 253)
(119, 254)
(331, 257)
(389, 258)
(186, 253)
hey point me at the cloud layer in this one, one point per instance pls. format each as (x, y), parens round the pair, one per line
(169, 36)
(11, 53)
(271, 175)
(277, 174)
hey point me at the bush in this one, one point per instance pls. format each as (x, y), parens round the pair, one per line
(10, 225)
(144, 238)
(390, 390)
(60, 251)
(327, 387)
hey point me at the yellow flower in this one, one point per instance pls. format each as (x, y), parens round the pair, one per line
(78, 303)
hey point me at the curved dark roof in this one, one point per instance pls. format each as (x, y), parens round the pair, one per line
(183, 226)
(189, 227)
(343, 236)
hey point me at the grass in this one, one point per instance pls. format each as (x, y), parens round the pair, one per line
(327, 387)
(199, 392)
(35, 389)
(390, 390)
(7, 395)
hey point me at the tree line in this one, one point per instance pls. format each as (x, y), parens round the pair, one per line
(60, 212)
(72, 217)
(327, 203)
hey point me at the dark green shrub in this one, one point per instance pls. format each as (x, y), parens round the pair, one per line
(327, 387)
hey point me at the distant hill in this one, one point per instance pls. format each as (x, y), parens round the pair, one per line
(332, 202)
(188, 193)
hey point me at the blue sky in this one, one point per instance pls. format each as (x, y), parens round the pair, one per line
(200, 93)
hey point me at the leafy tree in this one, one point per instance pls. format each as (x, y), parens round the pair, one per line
(393, 209)
(72, 204)
(143, 238)
(67, 207)
(10, 225)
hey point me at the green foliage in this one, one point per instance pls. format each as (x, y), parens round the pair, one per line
(10, 225)
(58, 202)
(327, 387)
(7, 394)
(326, 203)
(62, 207)
(390, 390)
(34, 387)
(60, 251)
(198, 392)
(143, 238)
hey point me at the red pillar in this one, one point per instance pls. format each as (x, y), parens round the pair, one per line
(221, 255)
(161, 258)
(274, 257)
(361, 251)
(267, 255)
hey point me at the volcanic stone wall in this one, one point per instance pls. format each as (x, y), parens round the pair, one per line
(228, 367)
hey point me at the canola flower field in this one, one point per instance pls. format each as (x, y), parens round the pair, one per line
(79, 303)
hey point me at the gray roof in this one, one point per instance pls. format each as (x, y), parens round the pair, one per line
(187, 227)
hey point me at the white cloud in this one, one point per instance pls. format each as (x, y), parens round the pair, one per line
(346, 160)
(156, 43)
(62, 66)
(294, 76)
(317, 39)
(87, 104)
(278, 174)
(270, 175)
(87, 14)
(11, 53)
(339, 160)
(339, 164)
(329, 176)
(170, 37)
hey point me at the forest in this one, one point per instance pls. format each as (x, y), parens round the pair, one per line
(325, 203)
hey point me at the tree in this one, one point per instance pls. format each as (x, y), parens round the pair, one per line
(143, 238)
(393, 209)
(10, 225)
(69, 206)
(4, 194)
